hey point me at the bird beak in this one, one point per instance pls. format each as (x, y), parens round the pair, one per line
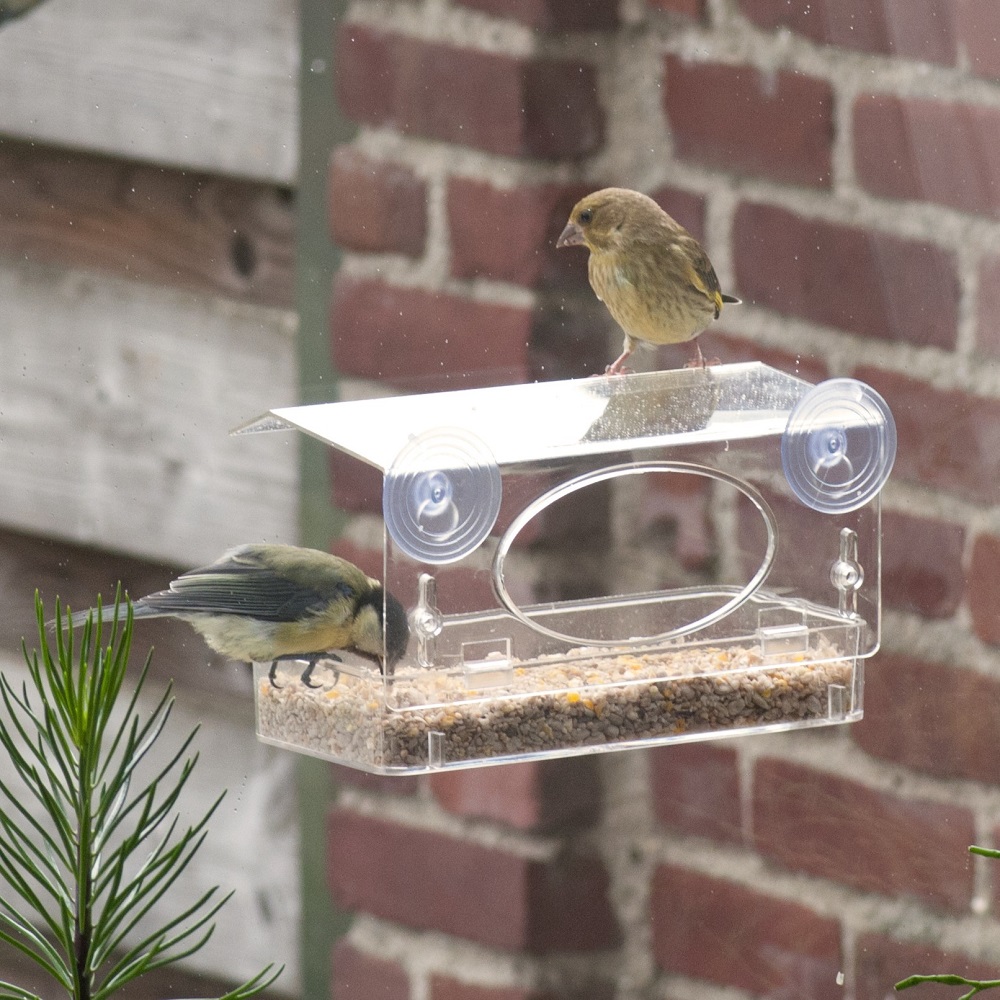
(571, 236)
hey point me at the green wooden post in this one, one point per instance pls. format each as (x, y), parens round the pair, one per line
(321, 128)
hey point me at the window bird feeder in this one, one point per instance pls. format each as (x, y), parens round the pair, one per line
(778, 643)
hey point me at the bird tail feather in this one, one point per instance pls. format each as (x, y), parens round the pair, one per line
(107, 615)
(732, 300)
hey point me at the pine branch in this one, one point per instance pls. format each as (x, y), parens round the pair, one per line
(78, 873)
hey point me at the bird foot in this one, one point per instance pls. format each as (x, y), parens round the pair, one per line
(702, 362)
(306, 676)
(699, 361)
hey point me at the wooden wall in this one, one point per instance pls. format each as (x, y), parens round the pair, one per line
(148, 157)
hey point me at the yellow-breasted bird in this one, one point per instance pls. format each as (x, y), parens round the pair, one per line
(651, 273)
(281, 602)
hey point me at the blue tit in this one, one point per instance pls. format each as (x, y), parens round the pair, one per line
(280, 602)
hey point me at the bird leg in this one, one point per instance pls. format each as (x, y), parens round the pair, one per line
(313, 659)
(700, 361)
(617, 367)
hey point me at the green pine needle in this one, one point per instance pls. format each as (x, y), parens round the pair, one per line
(111, 846)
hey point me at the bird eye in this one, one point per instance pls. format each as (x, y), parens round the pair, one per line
(585, 216)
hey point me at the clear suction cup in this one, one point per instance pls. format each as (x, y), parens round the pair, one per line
(441, 496)
(838, 446)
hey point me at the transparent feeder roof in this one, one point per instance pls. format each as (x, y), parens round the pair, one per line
(540, 421)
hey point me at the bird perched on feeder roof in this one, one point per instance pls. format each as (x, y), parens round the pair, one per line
(281, 602)
(651, 273)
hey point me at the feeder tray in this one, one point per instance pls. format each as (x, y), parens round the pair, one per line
(471, 477)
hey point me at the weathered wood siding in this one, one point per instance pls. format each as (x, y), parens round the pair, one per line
(117, 402)
(205, 86)
(148, 159)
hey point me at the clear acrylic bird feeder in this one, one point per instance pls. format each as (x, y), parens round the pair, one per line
(773, 638)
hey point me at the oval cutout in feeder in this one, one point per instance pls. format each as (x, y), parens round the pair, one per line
(730, 600)
(493, 674)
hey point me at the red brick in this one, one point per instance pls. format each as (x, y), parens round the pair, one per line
(929, 717)
(926, 150)
(571, 545)
(360, 976)
(510, 234)
(674, 517)
(947, 438)
(376, 206)
(926, 578)
(357, 486)
(389, 784)
(696, 789)
(540, 795)
(881, 962)
(995, 836)
(566, 15)
(569, 335)
(689, 8)
(366, 73)
(686, 207)
(459, 588)
(712, 929)
(839, 829)
(984, 586)
(446, 988)
(988, 306)
(430, 881)
(422, 340)
(369, 560)
(738, 119)
(866, 282)
(510, 105)
(978, 31)
(733, 348)
(809, 542)
(912, 29)
(578, 519)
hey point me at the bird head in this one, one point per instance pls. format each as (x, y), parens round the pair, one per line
(368, 635)
(608, 219)
(397, 631)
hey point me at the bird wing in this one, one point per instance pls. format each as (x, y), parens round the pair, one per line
(700, 273)
(240, 585)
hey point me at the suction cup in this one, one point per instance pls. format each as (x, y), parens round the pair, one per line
(838, 446)
(441, 496)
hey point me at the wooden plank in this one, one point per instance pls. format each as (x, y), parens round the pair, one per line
(116, 399)
(77, 575)
(205, 85)
(178, 228)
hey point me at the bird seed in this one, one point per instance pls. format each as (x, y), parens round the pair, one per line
(596, 698)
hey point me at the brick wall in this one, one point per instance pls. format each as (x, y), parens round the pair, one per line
(841, 161)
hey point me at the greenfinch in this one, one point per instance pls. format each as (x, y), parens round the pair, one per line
(651, 273)
(280, 602)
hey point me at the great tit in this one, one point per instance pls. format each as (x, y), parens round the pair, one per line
(281, 602)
